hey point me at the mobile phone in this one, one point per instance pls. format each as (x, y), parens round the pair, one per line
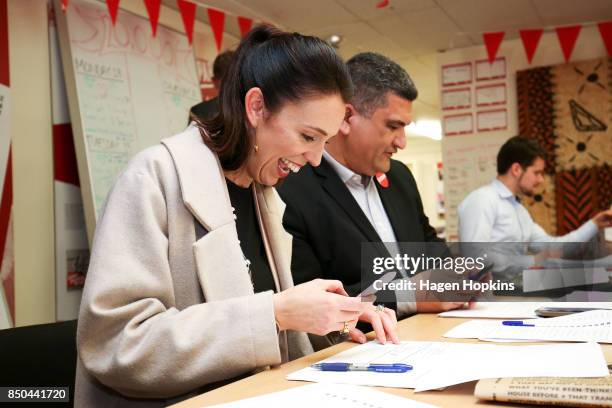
(369, 294)
(481, 274)
(546, 311)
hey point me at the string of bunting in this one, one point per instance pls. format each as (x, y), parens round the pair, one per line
(188, 13)
(566, 35)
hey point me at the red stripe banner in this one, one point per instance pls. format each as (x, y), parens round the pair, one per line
(64, 155)
(4, 44)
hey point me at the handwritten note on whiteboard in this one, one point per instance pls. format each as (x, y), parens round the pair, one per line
(132, 89)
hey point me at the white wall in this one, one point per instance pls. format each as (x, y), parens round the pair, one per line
(422, 156)
(32, 162)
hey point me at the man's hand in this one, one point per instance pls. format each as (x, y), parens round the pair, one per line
(603, 219)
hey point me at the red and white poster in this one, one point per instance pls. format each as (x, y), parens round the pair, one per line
(496, 119)
(7, 275)
(457, 74)
(207, 88)
(491, 95)
(460, 98)
(486, 70)
(71, 246)
(460, 124)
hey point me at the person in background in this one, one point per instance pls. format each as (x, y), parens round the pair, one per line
(189, 284)
(207, 110)
(334, 208)
(494, 213)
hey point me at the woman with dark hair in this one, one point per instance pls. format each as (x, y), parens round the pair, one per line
(189, 282)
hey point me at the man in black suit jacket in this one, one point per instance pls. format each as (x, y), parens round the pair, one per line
(358, 194)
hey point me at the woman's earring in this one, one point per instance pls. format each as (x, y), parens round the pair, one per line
(256, 148)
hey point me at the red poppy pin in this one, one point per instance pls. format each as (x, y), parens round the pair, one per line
(382, 180)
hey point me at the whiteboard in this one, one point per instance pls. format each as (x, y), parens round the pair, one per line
(126, 91)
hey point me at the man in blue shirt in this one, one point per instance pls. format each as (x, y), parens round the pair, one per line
(493, 213)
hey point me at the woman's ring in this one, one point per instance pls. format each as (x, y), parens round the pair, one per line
(345, 329)
(380, 308)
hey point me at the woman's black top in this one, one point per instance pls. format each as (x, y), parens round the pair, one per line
(249, 234)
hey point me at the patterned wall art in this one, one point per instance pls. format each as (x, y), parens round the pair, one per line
(567, 109)
(542, 205)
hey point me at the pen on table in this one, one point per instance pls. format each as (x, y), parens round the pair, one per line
(519, 323)
(377, 368)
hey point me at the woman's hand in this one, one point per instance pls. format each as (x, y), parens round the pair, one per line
(318, 307)
(383, 322)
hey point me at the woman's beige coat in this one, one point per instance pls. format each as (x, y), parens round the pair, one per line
(163, 314)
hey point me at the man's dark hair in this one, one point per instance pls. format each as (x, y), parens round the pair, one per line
(222, 64)
(518, 149)
(287, 67)
(374, 76)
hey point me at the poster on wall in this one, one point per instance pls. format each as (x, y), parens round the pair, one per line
(7, 274)
(491, 95)
(207, 87)
(457, 74)
(486, 70)
(71, 246)
(459, 124)
(460, 98)
(496, 119)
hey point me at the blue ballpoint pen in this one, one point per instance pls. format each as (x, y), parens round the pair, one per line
(377, 368)
(517, 323)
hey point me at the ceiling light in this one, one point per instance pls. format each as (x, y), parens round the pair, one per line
(334, 40)
(430, 128)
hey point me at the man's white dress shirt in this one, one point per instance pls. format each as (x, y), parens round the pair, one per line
(364, 191)
(493, 214)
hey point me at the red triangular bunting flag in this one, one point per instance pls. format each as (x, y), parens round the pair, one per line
(153, 11)
(245, 25)
(64, 5)
(605, 29)
(113, 6)
(382, 179)
(188, 12)
(567, 38)
(531, 38)
(382, 4)
(217, 20)
(492, 42)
